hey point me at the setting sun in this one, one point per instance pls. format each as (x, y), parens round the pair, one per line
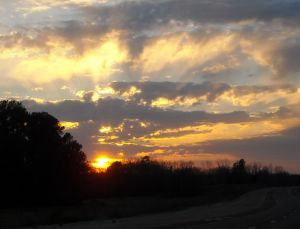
(102, 162)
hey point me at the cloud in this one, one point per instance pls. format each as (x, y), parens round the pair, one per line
(116, 126)
(260, 98)
(127, 122)
(275, 51)
(163, 40)
(157, 33)
(112, 111)
(287, 57)
(182, 52)
(141, 14)
(60, 60)
(280, 148)
(151, 91)
(128, 12)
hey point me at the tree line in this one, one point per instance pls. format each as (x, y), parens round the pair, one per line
(150, 177)
(40, 164)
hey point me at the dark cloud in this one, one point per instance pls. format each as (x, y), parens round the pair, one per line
(283, 112)
(153, 90)
(180, 133)
(145, 14)
(135, 18)
(130, 150)
(142, 20)
(150, 91)
(87, 134)
(247, 90)
(113, 111)
(116, 112)
(286, 58)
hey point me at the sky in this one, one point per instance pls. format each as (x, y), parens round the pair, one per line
(195, 80)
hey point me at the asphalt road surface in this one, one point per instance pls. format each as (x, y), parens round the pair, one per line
(267, 208)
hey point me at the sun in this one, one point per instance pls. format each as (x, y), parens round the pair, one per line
(102, 162)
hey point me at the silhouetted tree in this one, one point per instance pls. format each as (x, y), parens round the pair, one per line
(239, 166)
(239, 171)
(38, 162)
(13, 141)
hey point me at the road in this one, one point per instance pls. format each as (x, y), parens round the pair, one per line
(271, 208)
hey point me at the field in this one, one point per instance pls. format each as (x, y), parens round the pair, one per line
(114, 208)
(263, 208)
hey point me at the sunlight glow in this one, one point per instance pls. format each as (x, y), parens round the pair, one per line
(69, 125)
(106, 129)
(103, 162)
(98, 60)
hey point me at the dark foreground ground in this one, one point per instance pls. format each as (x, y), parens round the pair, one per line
(265, 208)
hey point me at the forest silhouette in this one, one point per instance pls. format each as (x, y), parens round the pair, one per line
(40, 164)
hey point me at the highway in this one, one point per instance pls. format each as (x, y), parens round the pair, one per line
(266, 208)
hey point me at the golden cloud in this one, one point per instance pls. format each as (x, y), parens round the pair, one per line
(61, 60)
(199, 159)
(32, 6)
(178, 101)
(260, 97)
(69, 125)
(170, 51)
(221, 131)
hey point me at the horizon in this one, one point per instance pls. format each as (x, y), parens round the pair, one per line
(177, 81)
